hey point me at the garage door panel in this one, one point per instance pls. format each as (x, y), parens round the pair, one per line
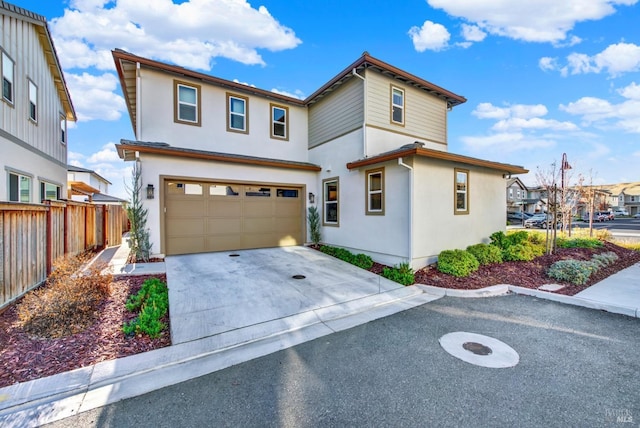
(258, 225)
(260, 240)
(185, 245)
(185, 208)
(223, 242)
(291, 224)
(224, 226)
(254, 209)
(223, 207)
(288, 240)
(288, 209)
(185, 226)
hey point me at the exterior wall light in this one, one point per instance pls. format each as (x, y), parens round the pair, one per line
(150, 191)
(312, 198)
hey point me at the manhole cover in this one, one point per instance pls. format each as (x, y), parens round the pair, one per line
(298, 277)
(477, 348)
(234, 255)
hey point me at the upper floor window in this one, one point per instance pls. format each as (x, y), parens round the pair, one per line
(375, 192)
(237, 113)
(63, 129)
(19, 187)
(524, 194)
(49, 191)
(518, 194)
(187, 103)
(510, 192)
(397, 105)
(7, 78)
(33, 101)
(331, 202)
(279, 122)
(462, 191)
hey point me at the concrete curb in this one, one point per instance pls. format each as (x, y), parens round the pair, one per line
(56, 397)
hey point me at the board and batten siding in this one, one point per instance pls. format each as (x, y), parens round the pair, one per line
(338, 113)
(20, 40)
(425, 114)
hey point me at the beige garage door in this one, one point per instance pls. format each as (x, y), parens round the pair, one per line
(202, 217)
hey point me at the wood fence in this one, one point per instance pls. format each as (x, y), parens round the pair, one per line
(34, 236)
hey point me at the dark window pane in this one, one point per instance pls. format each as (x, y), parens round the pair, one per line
(375, 181)
(257, 191)
(375, 202)
(13, 187)
(6, 90)
(237, 122)
(237, 105)
(461, 202)
(287, 193)
(397, 114)
(331, 212)
(187, 112)
(278, 129)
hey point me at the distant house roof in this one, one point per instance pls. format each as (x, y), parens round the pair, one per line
(40, 24)
(101, 197)
(417, 149)
(517, 181)
(73, 168)
(126, 150)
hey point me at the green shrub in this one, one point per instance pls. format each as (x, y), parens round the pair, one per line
(604, 259)
(361, 260)
(485, 254)
(499, 239)
(457, 262)
(519, 253)
(564, 242)
(403, 274)
(152, 302)
(573, 271)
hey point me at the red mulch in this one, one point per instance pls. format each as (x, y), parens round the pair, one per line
(530, 274)
(24, 357)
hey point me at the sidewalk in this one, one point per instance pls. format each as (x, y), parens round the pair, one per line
(56, 397)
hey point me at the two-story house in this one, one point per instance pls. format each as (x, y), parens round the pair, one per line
(34, 110)
(227, 166)
(517, 200)
(624, 196)
(83, 183)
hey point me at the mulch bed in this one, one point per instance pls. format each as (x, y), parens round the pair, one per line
(24, 357)
(529, 274)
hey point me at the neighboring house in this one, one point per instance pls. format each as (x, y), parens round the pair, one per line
(228, 166)
(516, 196)
(84, 183)
(624, 196)
(34, 110)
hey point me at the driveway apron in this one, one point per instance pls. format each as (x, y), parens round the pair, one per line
(213, 293)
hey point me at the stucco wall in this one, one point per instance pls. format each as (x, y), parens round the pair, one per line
(154, 166)
(379, 141)
(436, 227)
(156, 119)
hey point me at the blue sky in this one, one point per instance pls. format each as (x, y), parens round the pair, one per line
(541, 77)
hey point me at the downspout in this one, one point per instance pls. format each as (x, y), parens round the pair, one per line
(364, 119)
(410, 168)
(138, 91)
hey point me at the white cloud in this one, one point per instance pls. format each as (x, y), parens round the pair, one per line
(93, 97)
(506, 142)
(296, 94)
(521, 111)
(615, 60)
(107, 154)
(516, 124)
(624, 116)
(548, 64)
(430, 36)
(532, 21)
(191, 34)
(473, 33)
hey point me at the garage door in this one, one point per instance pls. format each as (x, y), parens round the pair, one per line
(202, 217)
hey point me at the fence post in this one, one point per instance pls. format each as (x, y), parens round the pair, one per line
(105, 226)
(65, 230)
(49, 232)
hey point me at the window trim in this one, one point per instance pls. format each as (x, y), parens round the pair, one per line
(31, 84)
(456, 210)
(393, 105)
(246, 113)
(19, 174)
(325, 182)
(43, 185)
(272, 122)
(64, 134)
(176, 103)
(369, 192)
(5, 56)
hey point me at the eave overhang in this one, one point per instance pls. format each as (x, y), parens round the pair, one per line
(129, 150)
(437, 154)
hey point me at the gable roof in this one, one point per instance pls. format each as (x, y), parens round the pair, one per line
(417, 149)
(40, 24)
(127, 63)
(73, 168)
(517, 181)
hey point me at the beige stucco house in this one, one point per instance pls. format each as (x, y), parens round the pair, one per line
(228, 166)
(34, 110)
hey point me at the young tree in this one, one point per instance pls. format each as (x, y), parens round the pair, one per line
(548, 181)
(139, 233)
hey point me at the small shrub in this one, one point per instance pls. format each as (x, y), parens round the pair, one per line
(604, 259)
(537, 238)
(573, 271)
(635, 246)
(403, 274)
(499, 239)
(69, 300)
(152, 302)
(314, 225)
(486, 254)
(361, 260)
(564, 242)
(458, 263)
(519, 253)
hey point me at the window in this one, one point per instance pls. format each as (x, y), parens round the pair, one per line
(287, 193)
(63, 129)
(397, 106)
(187, 103)
(375, 191)
(462, 191)
(257, 191)
(237, 113)
(49, 191)
(19, 188)
(510, 192)
(518, 194)
(331, 202)
(33, 101)
(7, 78)
(279, 122)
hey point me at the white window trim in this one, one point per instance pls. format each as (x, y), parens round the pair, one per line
(465, 210)
(274, 122)
(30, 85)
(19, 174)
(245, 115)
(325, 202)
(400, 106)
(180, 102)
(369, 174)
(64, 135)
(6, 57)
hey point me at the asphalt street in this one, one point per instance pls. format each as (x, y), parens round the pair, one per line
(577, 367)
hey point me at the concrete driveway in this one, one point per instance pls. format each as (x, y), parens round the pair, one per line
(214, 293)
